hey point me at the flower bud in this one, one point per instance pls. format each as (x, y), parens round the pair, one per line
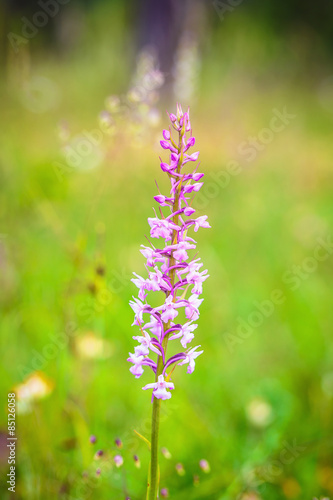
(204, 465)
(118, 443)
(137, 462)
(165, 144)
(180, 469)
(164, 492)
(190, 143)
(196, 480)
(93, 439)
(188, 211)
(160, 198)
(165, 167)
(179, 112)
(166, 453)
(188, 125)
(197, 176)
(118, 460)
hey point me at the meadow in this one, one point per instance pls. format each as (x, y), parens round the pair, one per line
(258, 407)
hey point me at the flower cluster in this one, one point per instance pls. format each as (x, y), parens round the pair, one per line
(170, 269)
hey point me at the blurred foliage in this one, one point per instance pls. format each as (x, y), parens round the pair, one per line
(70, 240)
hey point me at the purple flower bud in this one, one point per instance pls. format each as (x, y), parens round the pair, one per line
(118, 460)
(190, 143)
(93, 439)
(164, 493)
(160, 198)
(197, 176)
(179, 112)
(98, 472)
(204, 465)
(168, 168)
(166, 135)
(180, 469)
(137, 461)
(188, 126)
(99, 453)
(188, 211)
(166, 453)
(172, 117)
(118, 443)
(166, 145)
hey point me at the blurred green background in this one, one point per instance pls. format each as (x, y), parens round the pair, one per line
(83, 100)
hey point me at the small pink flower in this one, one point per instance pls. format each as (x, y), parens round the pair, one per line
(145, 344)
(118, 460)
(190, 357)
(201, 222)
(138, 308)
(137, 369)
(186, 332)
(192, 307)
(204, 465)
(169, 309)
(160, 388)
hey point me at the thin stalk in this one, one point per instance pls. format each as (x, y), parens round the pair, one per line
(155, 422)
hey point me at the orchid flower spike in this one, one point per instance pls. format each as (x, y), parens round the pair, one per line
(172, 266)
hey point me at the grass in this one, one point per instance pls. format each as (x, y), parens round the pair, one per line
(267, 219)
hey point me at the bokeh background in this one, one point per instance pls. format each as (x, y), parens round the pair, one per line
(84, 91)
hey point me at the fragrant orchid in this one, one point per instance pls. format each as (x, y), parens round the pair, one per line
(172, 272)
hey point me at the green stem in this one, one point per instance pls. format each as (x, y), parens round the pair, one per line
(155, 424)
